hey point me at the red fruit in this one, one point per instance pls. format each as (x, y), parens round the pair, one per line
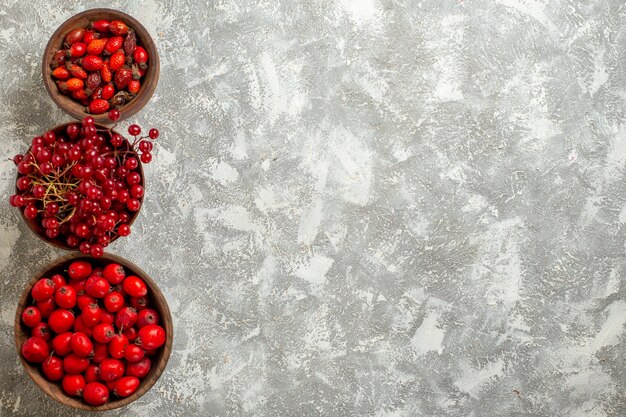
(111, 369)
(139, 303)
(61, 73)
(126, 317)
(73, 385)
(107, 317)
(84, 300)
(98, 106)
(42, 330)
(113, 302)
(80, 95)
(76, 71)
(96, 46)
(106, 73)
(117, 345)
(95, 393)
(100, 352)
(114, 273)
(107, 91)
(74, 36)
(126, 386)
(147, 316)
(79, 326)
(77, 50)
(58, 279)
(81, 345)
(61, 344)
(74, 364)
(151, 336)
(90, 36)
(103, 333)
(92, 373)
(46, 307)
(79, 270)
(43, 289)
(113, 44)
(92, 63)
(134, 86)
(65, 296)
(139, 369)
(101, 26)
(118, 27)
(31, 316)
(134, 353)
(35, 350)
(58, 59)
(122, 78)
(117, 60)
(134, 286)
(140, 56)
(91, 315)
(61, 320)
(97, 286)
(131, 334)
(53, 368)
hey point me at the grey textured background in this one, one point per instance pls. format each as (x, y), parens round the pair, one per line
(363, 207)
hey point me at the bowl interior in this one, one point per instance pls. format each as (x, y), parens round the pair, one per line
(159, 362)
(60, 243)
(148, 82)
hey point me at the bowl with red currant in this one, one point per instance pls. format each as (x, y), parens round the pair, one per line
(80, 185)
(93, 333)
(98, 60)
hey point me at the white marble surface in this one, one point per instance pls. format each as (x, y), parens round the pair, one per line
(363, 207)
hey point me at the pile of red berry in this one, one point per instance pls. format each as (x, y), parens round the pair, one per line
(100, 66)
(81, 187)
(95, 334)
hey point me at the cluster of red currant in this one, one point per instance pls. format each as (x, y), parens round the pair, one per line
(82, 185)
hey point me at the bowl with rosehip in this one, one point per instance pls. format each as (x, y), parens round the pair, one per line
(98, 60)
(93, 333)
(80, 185)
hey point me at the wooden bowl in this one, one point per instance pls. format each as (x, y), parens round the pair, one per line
(159, 362)
(58, 242)
(148, 82)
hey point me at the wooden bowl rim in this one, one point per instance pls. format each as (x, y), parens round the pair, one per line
(56, 242)
(149, 82)
(157, 367)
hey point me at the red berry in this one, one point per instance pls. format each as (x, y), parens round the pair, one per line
(75, 35)
(35, 350)
(100, 352)
(113, 44)
(101, 26)
(43, 289)
(139, 369)
(151, 336)
(114, 115)
(53, 368)
(84, 300)
(61, 320)
(61, 344)
(107, 317)
(117, 27)
(114, 301)
(65, 296)
(134, 286)
(73, 385)
(117, 345)
(117, 61)
(146, 157)
(123, 230)
(97, 287)
(58, 279)
(126, 386)
(95, 393)
(114, 273)
(98, 106)
(92, 63)
(147, 316)
(140, 56)
(46, 307)
(131, 333)
(96, 250)
(153, 133)
(126, 317)
(134, 130)
(31, 316)
(42, 330)
(74, 364)
(111, 369)
(79, 270)
(91, 315)
(134, 353)
(92, 373)
(81, 345)
(103, 333)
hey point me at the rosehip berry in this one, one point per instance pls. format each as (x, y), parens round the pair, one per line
(35, 350)
(95, 393)
(53, 368)
(73, 385)
(61, 320)
(117, 27)
(101, 26)
(75, 35)
(31, 316)
(140, 56)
